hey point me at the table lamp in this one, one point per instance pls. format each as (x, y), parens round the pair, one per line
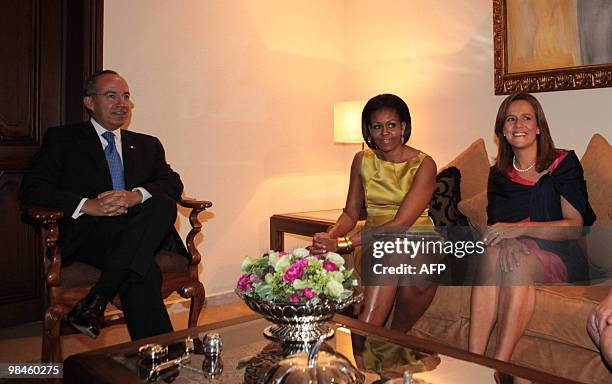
(347, 122)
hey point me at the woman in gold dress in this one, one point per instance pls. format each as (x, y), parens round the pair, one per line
(395, 182)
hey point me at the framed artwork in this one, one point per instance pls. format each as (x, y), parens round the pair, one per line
(552, 45)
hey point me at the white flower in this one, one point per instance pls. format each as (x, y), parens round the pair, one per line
(246, 263)
(273, 258)
(282, 264)
(301, 252)
(312, 259)
(334, 289)
(299, 284)
(336, 276)
(335, 258)
(269, 279)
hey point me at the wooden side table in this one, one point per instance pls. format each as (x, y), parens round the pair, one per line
(300, 223)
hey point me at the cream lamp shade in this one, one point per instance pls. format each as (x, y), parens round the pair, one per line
(347, 121)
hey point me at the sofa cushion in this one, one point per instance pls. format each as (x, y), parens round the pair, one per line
(597, 165)
(473, 164)
(560, 359)
(443, 209)
(565, 302)
(452, 304)
(475, 208)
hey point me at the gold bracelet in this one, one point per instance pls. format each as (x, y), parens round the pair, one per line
(345, 245)
(342, 244)
(350, 247)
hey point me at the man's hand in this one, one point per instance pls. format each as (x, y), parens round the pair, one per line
(112, 203)
(600, 318)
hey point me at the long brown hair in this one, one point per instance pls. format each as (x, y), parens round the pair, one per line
(546, 146)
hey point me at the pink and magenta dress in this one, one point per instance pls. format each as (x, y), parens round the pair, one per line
(512, 199)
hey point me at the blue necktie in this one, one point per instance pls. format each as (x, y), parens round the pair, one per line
(114, 161)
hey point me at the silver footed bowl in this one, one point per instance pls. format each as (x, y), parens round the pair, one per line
(299, 323)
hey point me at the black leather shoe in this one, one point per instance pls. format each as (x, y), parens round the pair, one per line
(87, 316)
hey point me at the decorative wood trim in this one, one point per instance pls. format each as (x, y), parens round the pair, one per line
(84, 42)
(580, 77)
(32, 123)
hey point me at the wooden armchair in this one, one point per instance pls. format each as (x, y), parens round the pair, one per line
(64, 287)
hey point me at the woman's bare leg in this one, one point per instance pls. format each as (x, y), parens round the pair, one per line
(483, 314)
(516, 305)
(378, 301)
(484, 301)
(412, 302)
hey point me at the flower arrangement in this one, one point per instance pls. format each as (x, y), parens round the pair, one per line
(297, 277)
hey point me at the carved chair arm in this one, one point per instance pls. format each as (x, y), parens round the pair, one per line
(196, 206)
(45, 220)
(41, 215)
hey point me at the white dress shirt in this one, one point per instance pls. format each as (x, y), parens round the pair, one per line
(117, 132)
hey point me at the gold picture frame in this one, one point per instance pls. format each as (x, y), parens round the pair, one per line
(518, 69)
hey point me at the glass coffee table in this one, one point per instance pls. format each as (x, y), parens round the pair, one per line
(380, 354)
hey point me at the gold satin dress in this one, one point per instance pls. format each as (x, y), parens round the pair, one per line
(386, 184)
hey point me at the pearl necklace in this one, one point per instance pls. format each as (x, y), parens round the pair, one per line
(521, 170)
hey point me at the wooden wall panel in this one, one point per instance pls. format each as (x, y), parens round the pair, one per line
(15, 74)
(20, 286)
(35, 94)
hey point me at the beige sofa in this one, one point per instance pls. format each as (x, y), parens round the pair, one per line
(556, 339)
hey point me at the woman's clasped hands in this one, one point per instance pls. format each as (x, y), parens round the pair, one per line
(322, 243)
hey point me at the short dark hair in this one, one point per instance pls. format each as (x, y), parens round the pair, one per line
(89, 89)
(386, 100)
(546, 146)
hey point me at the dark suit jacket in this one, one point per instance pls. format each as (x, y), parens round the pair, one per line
(71, 165)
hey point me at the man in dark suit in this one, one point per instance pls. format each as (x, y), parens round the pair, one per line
(118, 196)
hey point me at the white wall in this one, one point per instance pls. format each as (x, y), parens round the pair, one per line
(241, 92)
(438, 55)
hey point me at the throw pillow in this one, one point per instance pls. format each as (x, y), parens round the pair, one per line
(473, 164)
(597, 165)
(475, 208)
(443, 208)
(450, 223)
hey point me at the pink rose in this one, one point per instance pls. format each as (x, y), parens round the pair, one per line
(329, 266)
(295, 270)
(309, 293)
(294, 298)
(244, 282)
